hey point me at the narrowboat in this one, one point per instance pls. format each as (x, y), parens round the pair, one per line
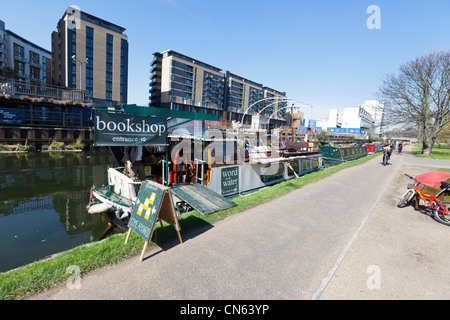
(334, 155)
(214, 158)
(374, 147)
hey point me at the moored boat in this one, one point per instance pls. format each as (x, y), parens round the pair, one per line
(333, 155)
(215, 156)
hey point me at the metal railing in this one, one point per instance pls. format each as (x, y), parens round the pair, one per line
(17, 88)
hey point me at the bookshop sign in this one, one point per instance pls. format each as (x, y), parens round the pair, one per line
(111, 129)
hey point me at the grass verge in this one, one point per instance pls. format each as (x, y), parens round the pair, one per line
(440, 152)
(44, 274)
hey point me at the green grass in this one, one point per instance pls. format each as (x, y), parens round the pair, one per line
(439, 152)
(44, 274)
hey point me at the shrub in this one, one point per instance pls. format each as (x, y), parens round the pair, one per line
(55, 145)
(77, 144)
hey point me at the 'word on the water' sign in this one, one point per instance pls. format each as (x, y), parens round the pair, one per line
(230, 180)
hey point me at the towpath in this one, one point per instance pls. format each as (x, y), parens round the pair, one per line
(339, 238)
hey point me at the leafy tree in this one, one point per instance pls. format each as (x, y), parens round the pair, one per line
(323, 138)
(418, 97)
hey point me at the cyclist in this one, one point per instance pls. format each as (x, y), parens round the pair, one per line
(400, 147)
(387, 148)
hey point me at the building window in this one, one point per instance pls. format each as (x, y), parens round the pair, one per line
(90, 62)
(18, 51)
(109, 66)
(34, 57)
(123, 70)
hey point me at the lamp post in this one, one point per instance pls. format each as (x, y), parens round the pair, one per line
(74, 57)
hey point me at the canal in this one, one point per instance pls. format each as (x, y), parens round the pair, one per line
(43, 198)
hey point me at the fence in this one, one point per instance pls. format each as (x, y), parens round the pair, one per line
(18, 88)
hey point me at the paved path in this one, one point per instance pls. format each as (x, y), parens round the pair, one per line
(332, 239)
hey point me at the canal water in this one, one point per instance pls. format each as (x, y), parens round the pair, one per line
(43, 198)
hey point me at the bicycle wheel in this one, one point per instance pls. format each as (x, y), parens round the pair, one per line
(384, 159)
(405, 199)
(440, 216)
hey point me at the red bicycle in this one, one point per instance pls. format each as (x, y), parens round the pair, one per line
(439, 208)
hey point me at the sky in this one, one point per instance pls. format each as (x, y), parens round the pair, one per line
(319, 52)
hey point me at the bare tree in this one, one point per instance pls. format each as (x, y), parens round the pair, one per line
(418, 97)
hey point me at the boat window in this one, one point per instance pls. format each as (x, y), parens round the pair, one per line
(272, 171)
(315, 163)
(305, 165)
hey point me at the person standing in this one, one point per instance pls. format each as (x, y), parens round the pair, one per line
(132, 158)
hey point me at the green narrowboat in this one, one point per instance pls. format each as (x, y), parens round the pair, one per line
(339, 154)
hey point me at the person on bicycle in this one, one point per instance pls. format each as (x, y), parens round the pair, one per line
(400, 147)
(391, 148)
(387, 147)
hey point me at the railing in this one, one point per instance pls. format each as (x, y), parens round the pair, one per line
(18, 88)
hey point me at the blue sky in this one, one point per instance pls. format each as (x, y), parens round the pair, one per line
(319, 52)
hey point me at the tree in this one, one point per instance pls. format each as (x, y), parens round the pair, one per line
(418, 97)
(323, 138)
(444, 134)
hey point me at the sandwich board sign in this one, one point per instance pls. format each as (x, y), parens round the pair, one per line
(154, 201)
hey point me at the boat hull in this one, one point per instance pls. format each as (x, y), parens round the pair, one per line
(251, 176)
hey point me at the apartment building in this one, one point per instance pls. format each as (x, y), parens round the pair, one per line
(376, 110)
(180, 82)
(30, 62)
(91, 54)
(3, 46)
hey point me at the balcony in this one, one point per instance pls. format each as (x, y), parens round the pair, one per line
(16, 89)
(35, 64)
(21, 58)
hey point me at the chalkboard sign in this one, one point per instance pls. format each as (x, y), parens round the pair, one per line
(145, 210)
(154, 201)
(230, 180)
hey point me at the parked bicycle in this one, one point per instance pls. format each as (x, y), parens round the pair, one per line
(439, 208)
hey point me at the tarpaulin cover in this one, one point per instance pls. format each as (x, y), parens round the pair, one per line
(433, 179)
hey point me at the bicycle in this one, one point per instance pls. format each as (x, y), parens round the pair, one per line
(439, 209)
(385, 156)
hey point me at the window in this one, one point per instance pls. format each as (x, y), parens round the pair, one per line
(18, 51)
(90, 62)
(123, 70)
(21, 67)
(34, 57)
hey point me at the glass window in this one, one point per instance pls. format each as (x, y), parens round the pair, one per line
(89, 31)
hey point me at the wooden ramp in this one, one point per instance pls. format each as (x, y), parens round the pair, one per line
(202, 199)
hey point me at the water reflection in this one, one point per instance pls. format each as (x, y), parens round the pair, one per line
(43, 203)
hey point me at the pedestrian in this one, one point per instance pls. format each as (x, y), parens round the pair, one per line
(132, 159)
